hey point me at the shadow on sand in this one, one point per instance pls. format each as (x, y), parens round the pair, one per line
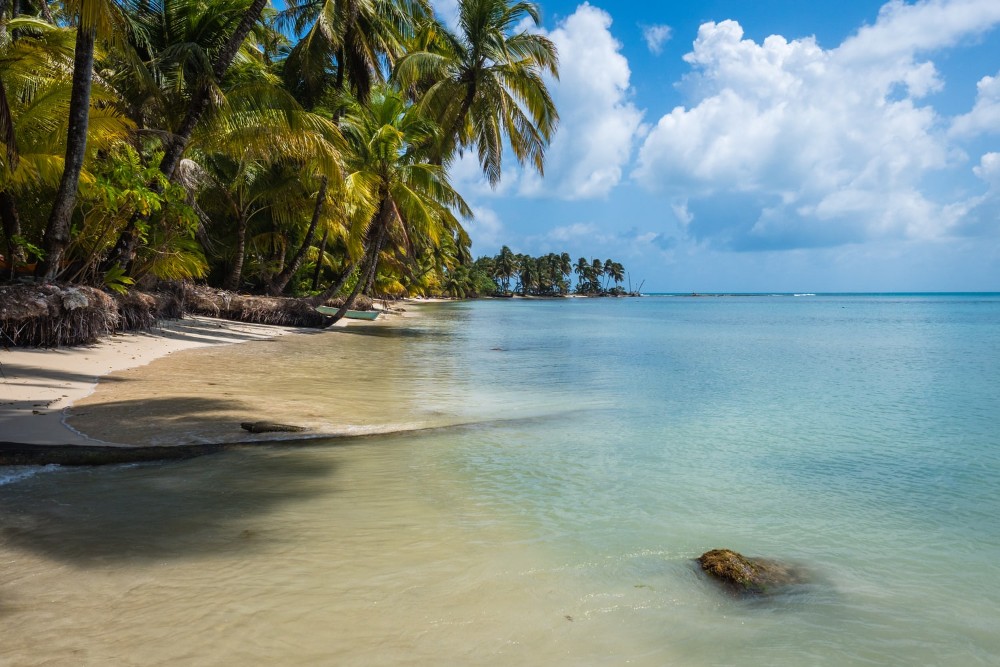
(186, 416)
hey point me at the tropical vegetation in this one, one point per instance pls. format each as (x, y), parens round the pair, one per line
(297, 151)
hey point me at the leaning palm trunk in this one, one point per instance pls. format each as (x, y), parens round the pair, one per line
(124, 250)
(319, 260)
(280, 281)
(334, 288)
(366, 277)
(57, 231)
(368, 270)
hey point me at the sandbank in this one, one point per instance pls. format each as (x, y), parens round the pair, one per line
(38, 385)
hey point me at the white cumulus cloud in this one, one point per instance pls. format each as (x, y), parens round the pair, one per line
(989, 169)
(815, 146)
(985, 115)
(598, 123)
(656, 36)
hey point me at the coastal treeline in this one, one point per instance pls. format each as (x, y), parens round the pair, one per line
(300, 149)
(509, 273)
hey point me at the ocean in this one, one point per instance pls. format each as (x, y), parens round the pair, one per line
(529, 482)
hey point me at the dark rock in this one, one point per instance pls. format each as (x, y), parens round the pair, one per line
(750, 576)
(270, 427)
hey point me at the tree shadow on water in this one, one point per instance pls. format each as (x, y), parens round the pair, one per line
(93, 517)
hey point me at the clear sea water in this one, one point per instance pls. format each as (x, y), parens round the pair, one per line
(582, 453)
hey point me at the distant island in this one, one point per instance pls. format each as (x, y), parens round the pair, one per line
(509, 274)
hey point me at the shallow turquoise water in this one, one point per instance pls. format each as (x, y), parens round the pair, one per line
(612, 442)
(859, 435)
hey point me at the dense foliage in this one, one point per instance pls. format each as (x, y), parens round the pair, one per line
(296, 151)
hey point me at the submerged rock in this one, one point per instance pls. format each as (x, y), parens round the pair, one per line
(751, 576)
(270, 427)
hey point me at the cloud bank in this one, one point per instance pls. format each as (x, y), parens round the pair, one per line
(790, 145)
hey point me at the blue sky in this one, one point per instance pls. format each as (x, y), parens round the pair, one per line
(774, 146)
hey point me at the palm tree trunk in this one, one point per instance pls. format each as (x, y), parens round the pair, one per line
(280, 281)
(349, 301)
(57, 231)
(341, 66)
(334, 288)
(370, 265)
(235, 276)
(12, 230)
(366, 278)
(319, 260)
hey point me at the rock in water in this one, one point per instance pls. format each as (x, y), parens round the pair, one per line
(270, 427)
(752, 576)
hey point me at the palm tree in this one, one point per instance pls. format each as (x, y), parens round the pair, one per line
(565, 264)
(359, 35)
(582, 270)
(413, 200)
(529, 272)
(94, 18)
(488, 84)
(206, 86)
(220, 43)
(32, 55)
(506, 267)
(34, 104)
(616, 272)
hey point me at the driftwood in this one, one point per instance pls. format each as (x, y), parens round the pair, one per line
(270, 427)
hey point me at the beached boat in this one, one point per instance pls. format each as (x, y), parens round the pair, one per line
(351, 314)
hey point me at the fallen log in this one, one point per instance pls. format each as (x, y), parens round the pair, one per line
(270, 427)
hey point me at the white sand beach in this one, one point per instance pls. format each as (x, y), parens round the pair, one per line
(37, 385)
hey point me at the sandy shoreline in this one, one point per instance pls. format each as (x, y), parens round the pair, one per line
(38, 385)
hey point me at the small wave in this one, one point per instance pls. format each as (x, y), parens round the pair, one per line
(11, 474)
(805, 294)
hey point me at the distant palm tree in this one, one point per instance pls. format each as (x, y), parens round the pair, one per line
(529, 274)
(582, 270)
(565, 264)
(596, 271)
(617, 273)
(506, 266)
